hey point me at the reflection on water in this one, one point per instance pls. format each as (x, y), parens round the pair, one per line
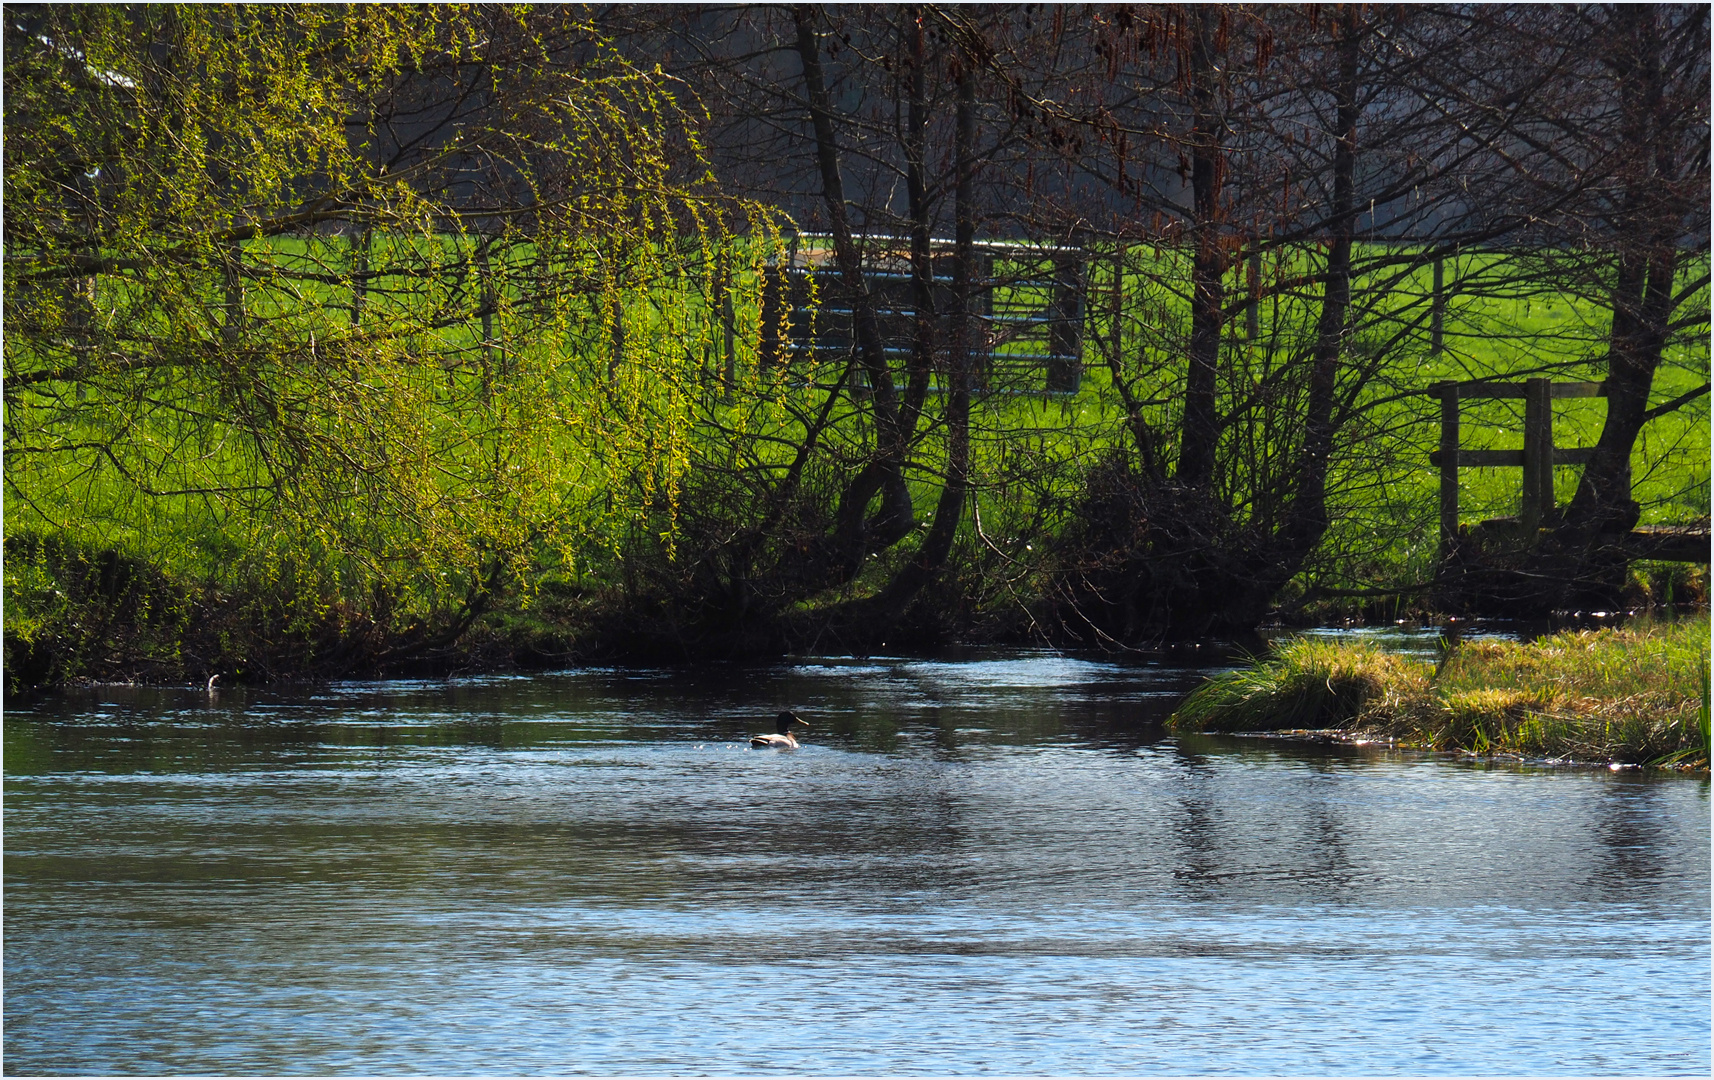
(999, 865)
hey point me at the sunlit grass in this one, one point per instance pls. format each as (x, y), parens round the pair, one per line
(1308, 683)
(1637, 694)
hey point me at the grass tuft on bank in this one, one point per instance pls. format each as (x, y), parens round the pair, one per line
(1308, 683)
(1636, 695)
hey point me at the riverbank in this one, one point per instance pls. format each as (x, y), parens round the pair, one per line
(1635, 695)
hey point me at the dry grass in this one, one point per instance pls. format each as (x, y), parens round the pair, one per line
(1637, 695)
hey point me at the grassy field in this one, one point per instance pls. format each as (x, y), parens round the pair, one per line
(548, 440)
(1383, 490)
(1637, 695)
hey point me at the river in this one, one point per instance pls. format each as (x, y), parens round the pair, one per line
(1001, 865)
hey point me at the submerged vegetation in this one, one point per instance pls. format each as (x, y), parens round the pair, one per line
(1634, 695)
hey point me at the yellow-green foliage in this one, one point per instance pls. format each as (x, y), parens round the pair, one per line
(1635, 694)
(238, 342)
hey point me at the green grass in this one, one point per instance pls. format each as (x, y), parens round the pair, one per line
(585, 474)
(1309, 683)
(1637, 695)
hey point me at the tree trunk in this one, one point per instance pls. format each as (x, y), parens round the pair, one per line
(892, 601)
(1308, 518)
(1662, 180)
(916, 190)
(855, 535)
(1200, 434)
(1642, 289)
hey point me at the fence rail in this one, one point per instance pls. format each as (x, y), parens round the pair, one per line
(1537, 459)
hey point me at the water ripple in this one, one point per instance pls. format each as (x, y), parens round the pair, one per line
(1003, 866)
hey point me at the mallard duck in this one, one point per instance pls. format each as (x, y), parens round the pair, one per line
(783, 740)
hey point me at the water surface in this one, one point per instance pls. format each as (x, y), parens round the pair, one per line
(994, 866)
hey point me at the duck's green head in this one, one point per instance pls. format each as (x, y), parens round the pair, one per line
(788, 720)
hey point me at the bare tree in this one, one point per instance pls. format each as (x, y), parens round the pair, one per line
(1642, 137)
(876, 129)
(1313, 162)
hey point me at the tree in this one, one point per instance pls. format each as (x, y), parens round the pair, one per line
(1639, 129)
(339, 292)
(1610, 157)
(1309, 161)
(872, 127)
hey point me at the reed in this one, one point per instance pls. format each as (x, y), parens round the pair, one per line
(1634, 695)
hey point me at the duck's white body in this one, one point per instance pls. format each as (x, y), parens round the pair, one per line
(782, 738)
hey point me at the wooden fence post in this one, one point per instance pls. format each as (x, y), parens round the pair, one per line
(232, 317)
(1448, 468)
(360, 242)
(772, 349)
(490, 301)
(617, 356)
(1065, 333)
(982, 356)
(1538, 454)
(1252, 310)
(729, 332)
(1118, 313)
(1439, 307)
